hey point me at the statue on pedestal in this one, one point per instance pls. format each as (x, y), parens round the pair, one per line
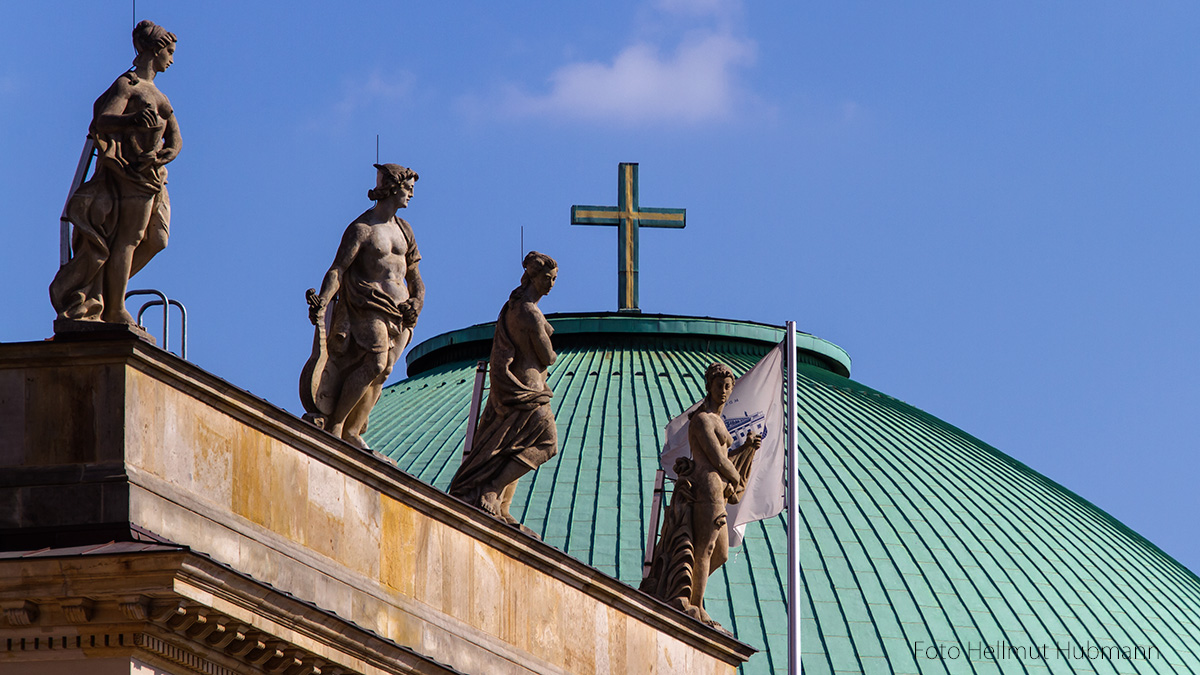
(365, 313)
(121, 214)
(516, 431)
(694, 540)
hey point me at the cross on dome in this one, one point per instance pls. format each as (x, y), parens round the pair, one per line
(629, 217)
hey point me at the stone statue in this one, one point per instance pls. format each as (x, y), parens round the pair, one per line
(375, 290)
(516, 431)
(121, 214)
(694, 540)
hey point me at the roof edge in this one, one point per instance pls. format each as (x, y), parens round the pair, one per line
(425, 355)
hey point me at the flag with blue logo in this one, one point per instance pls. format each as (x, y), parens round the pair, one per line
(756, 404)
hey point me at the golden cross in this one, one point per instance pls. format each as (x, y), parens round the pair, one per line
(629, 217)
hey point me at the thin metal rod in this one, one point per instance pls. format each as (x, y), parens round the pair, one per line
(652, 534)
(182, 322)
(376, 148)
(148, 305)
(165, 304)
(481, 368)
(793, 506)
(64, 225)
(182, 328)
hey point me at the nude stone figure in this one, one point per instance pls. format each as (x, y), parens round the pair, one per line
(121, 214)
(694, 539)
(375, 291)
(516, 431)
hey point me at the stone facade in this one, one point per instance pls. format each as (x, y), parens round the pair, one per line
(143, 608)
(117, 440)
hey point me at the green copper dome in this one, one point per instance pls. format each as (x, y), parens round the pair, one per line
(923, 549)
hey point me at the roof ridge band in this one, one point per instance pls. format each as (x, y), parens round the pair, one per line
(609, 329)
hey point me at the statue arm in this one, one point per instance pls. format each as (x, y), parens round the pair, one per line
(709, 442)
(172, 141)
(111, 118)
(753, 441)
(742, 460)
(416, 294)
(347, 251)
(530, 332)
(540, 341)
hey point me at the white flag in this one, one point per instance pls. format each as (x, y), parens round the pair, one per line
(756, 404)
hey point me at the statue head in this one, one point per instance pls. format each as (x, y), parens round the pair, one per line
(541, 271)
(390, 179)
(714, 377)
(718, 385)
(536, 264)
(149, 40)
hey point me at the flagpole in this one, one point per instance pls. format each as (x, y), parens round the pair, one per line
(793, 508)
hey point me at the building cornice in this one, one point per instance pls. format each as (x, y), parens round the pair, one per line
(186, 609)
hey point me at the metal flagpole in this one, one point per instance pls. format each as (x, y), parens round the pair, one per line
(655, 508)
(481, 369)
(793, 508)
(64, 224)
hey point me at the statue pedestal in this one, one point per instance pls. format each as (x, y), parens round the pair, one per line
(70, 330)
(174, 514)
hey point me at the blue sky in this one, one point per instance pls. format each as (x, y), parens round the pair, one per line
(993, 208)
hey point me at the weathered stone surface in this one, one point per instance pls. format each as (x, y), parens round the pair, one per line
(19, 612)
(121, 215)
(365, 313)
(77, 610)
(516, 431)
(232, 477)
(161, 609)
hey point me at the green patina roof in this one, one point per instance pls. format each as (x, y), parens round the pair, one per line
(913, 531)
(646, 330)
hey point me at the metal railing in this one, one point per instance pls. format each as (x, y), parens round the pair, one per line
(166, 303)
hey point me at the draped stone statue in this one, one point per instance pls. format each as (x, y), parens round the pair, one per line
(516, 431)
(121, 214)
(694, 540)
(365, 313)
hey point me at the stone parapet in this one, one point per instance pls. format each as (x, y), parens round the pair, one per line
(118, 439)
